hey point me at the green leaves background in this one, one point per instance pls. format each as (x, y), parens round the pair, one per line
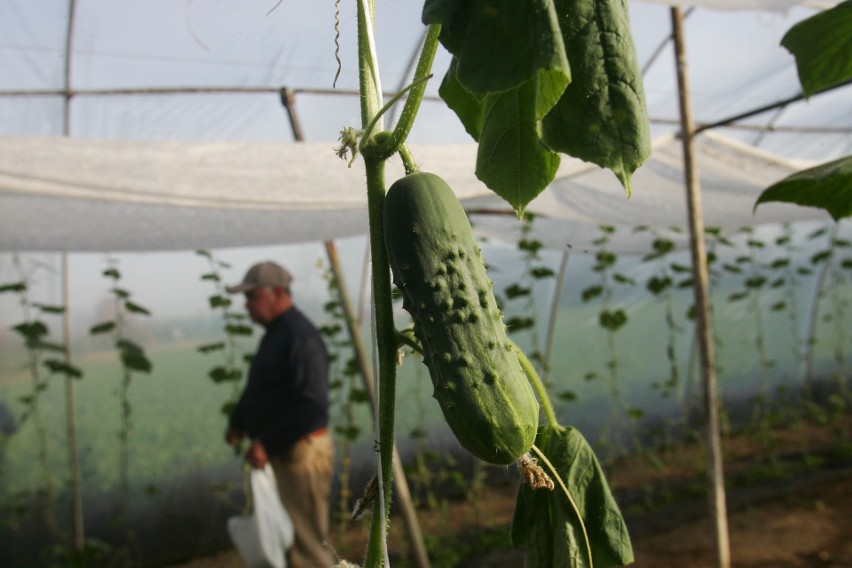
(530, 80)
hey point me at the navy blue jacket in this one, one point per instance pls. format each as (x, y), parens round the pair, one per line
(286, 396)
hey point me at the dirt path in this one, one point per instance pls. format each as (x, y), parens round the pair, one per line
(799, 518)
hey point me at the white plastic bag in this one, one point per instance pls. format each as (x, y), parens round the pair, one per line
(263, 537)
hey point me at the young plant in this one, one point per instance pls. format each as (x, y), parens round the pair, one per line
(663, 285)
(611, 319)
(345, 392)
(789, 281)
(716, 269)
(133, 360)
(42, 367)
(834, 282)
(754, 285)
(524, 292)
(232, 368)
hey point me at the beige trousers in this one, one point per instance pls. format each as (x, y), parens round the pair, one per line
(303, 476)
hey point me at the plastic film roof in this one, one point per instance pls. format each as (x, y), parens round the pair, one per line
(177, 137)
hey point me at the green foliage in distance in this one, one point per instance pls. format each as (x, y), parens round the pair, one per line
(529, 80)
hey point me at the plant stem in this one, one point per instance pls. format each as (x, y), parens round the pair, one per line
(387, 149)
(369, 83)
(407, 159)
(561, 483)
(371, 94)
(386, 339)
(538, 386)
(412, 103)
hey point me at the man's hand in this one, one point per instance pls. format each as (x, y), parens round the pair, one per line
(256, 455)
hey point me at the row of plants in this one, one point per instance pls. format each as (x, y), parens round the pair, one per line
(761, 273)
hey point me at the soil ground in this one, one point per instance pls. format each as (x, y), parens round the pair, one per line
(789, 498)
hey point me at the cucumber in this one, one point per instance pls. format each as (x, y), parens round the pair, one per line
(437, 265)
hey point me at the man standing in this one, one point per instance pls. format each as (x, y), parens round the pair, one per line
(283, 410)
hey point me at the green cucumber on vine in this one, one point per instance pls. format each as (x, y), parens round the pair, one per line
(506, 123)
(437, 265)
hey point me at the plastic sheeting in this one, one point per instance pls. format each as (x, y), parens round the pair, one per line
(93, 195)
(158, 162)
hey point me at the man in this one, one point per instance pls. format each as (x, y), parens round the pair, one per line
(283, 410)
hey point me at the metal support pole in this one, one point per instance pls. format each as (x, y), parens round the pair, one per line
(71, 423)
(704, 326)
(554, 309)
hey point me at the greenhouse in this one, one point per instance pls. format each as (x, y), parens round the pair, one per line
(151, 152)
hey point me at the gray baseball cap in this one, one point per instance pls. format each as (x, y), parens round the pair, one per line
(263, 274)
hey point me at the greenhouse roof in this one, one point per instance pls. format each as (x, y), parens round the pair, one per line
(160, 125)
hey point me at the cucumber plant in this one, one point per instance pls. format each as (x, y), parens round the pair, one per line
(522, 114)
(345, 394)
(611, 319)
(755, 284)
(132, 359)
(44, 362)
(232, 368)
(836, 267)
(534, 272)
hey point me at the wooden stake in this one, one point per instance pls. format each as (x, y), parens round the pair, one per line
(704, 326)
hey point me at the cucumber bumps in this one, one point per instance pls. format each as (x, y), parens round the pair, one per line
(479, 383)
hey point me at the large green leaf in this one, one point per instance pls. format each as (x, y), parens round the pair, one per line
(546, 522)
(509, 69)
(500, 44)
(827, 186)
(465, 104)
(822, 45)
(510, 84)
(510, 159)
(601, 117)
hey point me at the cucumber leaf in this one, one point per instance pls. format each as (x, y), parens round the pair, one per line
(510, 83)
(546, 523)
(465, 104)
(510, 159)
(821, 45)
(500, 44)
(601, 117)
(827, 186)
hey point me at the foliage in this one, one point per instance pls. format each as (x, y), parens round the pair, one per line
(521, 114)
(234, 326)
(35, 333)
(525, 292)
(133, 359)
(663, 284)
(821, 45)
(827, 186)
(530, 80)
(548, 526)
